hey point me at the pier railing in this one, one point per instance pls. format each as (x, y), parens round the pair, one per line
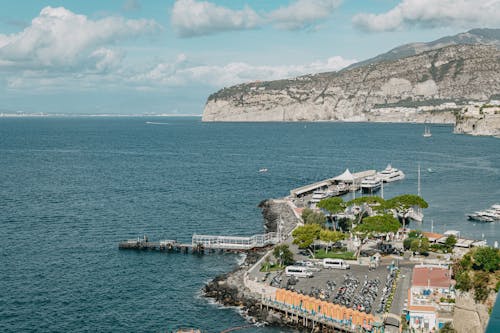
(234, 242)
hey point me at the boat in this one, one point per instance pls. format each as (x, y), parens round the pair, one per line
(489, 215)
(390, 174)
(263, 170)
(427, 132)
(371, 184)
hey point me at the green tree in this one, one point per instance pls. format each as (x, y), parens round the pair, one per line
(415, 234)
(450, 243)
(333, 205)
(283, 254)
(331, 236)
(480, 283)
(487, 259)
(463, 281)
(305, 235)
(403, 203)
(376, 203)
(311, 217)
(379, 224)
(420, 245)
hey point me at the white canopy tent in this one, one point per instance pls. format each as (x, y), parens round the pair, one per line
(346, 177)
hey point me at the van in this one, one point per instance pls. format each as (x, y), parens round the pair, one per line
(298, 271)
(335, 263)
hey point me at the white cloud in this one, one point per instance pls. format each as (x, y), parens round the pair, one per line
(59, 39)
(196, 18)
(193, 18)
(180, 73)
(302, 13)
(432, 13)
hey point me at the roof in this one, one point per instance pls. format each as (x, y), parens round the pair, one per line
(432, 236)
(432, 277)
(346, 176)
(309, 188)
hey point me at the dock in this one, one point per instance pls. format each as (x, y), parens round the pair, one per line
(200, 243)
(352, 179)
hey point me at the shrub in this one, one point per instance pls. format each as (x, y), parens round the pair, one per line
(487, 259)
(480, 284)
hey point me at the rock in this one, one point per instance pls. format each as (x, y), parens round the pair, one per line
(413, 89)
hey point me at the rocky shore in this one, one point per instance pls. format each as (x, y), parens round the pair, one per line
(229, 289)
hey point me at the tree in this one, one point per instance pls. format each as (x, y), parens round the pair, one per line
(305, 235)
(283, 254)
(415, 234)
(463, 281)
(331, 236)
(450, 243)
(333, 205)
(420, 245)
(379, 224)
(403, 203)
(311, 217)
(487, 259)
(480, 283)
(377, 204)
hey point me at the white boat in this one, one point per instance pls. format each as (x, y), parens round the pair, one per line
(371, 184)
(390, 174)
(489, 215)
(427, 132)
(263, 170)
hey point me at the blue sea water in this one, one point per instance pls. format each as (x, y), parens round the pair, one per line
(71, 188)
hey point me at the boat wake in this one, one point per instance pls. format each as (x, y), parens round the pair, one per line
(156, 123)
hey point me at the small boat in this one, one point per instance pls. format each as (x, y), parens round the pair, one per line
(430, 170)
(371, 184)
(263, 170)
(427, 132)
(390, 174)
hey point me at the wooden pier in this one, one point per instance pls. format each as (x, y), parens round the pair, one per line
(202, 243)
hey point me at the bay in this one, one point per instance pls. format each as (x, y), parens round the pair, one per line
(72, 187)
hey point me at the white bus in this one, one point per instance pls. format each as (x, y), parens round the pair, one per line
(298, 271)
(335, 263)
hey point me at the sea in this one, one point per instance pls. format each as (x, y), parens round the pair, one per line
(71, 188)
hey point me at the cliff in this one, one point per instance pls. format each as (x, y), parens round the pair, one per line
(422, 87)
(479, 119)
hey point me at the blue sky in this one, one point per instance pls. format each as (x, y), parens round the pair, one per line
(163, 57)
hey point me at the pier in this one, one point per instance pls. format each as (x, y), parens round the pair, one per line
(351, 179)
(200, 243)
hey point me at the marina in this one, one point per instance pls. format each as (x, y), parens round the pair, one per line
(489, 215)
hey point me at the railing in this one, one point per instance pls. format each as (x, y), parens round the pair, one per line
(234, 242)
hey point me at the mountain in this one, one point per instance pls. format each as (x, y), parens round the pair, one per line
(432, 85)
(474, 36)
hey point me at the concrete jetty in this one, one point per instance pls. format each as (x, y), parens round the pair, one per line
(351, 179)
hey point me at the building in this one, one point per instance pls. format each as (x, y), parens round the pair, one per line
(431, 297)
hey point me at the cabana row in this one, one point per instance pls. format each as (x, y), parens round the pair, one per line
(332, 311)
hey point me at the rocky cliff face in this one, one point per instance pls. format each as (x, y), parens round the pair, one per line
(479, 119)
(395, 91)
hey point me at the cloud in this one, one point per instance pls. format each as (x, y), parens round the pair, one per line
(196, 18)
(61, 40)
(182, 73)
(431, 14)
(302, 13)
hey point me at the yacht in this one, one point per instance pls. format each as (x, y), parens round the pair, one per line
(489, 215)
(371, 184)
(390, 174)
(318, 195)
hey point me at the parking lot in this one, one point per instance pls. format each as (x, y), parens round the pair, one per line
(357, 287)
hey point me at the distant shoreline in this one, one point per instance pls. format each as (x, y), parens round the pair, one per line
(43, 115)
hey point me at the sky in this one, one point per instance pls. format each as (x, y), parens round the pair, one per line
(167, 57)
